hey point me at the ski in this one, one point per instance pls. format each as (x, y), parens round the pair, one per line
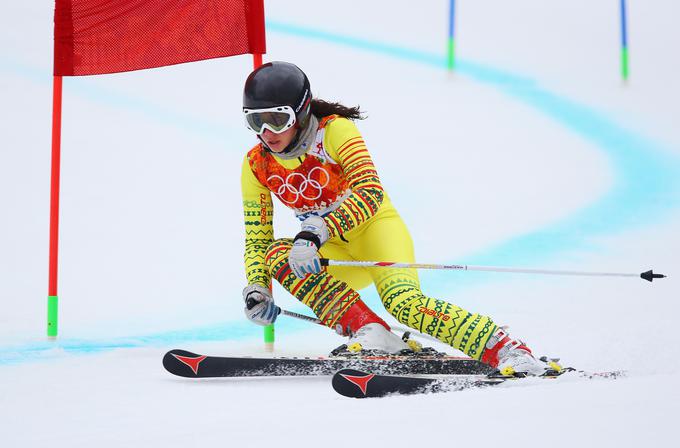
(365, 384)
(191, 365)
(360, 384)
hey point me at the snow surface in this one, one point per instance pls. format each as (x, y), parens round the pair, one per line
(533, 154)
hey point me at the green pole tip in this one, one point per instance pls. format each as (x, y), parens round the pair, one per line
(269, 335)
(52, 316)
(451, 55)
(624, 64)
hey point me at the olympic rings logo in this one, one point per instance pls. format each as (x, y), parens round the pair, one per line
(308, 188)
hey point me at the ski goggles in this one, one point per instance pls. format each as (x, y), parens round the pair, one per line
(277, 119)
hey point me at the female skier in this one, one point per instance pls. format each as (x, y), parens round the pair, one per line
(313, 159)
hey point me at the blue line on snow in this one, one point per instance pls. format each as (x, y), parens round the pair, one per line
(230, 330)
(645, 187)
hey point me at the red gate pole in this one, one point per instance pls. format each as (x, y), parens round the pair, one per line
(269, 335)
(52, 297)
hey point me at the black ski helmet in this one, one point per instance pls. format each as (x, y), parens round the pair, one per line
(279, 84)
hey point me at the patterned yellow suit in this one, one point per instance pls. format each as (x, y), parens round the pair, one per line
(337, 180)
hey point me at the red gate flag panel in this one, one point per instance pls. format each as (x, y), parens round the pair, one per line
(93, 37)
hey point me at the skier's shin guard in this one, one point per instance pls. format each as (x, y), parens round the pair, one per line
(336, 304)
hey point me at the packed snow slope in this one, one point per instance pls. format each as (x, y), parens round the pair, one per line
(532, 154)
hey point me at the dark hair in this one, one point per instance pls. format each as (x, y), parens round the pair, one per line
(322, 108)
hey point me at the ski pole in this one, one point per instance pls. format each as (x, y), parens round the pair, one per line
(647, 275)
(314, 320)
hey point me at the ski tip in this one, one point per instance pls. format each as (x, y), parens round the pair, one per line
(359, 384)
(650, 275)
(352, 383)
(182, 363)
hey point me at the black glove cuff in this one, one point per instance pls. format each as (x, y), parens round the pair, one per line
(309, 236)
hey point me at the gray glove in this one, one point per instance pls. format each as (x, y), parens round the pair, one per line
(304, 255)
(260, 307)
